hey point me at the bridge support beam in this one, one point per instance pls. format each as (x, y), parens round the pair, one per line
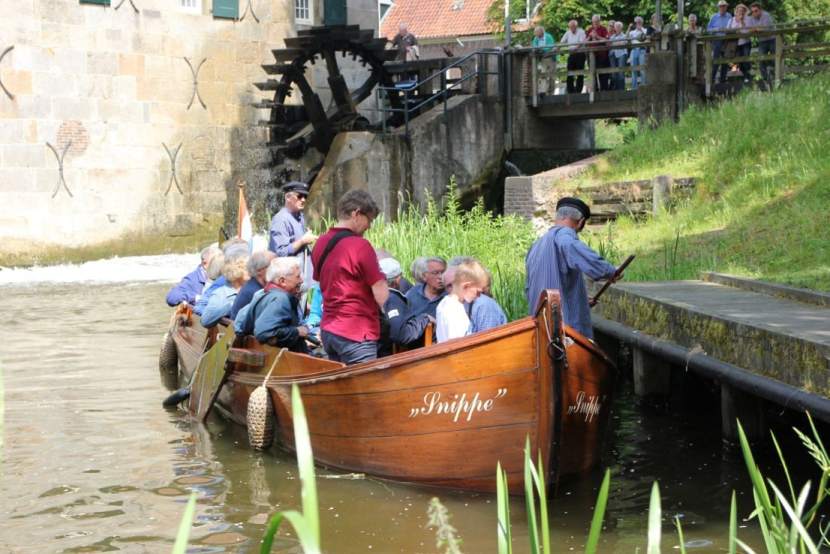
(652, 374)
(657, 99)
(736, 405)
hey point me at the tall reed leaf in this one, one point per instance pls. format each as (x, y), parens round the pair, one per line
(680, 534)
(530, 502)
(505, 541)
(733, 524)
(795, 518)
(542, 490)
(180, 546)
(599, 515)
(655, 517)
(306, 524)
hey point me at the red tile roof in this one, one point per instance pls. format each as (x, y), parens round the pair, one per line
(438, 18)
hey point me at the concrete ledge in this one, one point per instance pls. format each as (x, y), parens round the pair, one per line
(774, 289)
(768, 336)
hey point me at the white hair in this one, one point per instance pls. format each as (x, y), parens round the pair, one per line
(281, 267)
(596, 17)
(259, 260)
(208, 252)
(638, 19)
(569, 212)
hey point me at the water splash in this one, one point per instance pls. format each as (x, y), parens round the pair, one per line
(163, 268)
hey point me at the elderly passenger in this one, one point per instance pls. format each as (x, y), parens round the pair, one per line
(189, 289)
(272, 316)
(403, 329)
(221, 301)
(425, 296)
(213, 281)
(257, 267)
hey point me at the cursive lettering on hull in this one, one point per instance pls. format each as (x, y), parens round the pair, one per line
(460, 406)
(587, 406)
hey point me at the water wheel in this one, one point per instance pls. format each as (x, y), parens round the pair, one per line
(293, 129)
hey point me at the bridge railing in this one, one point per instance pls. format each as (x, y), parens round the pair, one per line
(471, 75)
(592, 74)
(784, 56)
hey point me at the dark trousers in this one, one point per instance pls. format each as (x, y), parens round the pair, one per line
(745, 67)
(576, 62)
(717, 53)
(341, 349)
(603, 79)
(766, 47)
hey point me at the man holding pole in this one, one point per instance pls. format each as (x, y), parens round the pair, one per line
(559, 259)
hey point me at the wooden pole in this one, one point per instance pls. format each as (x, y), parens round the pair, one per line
(779, 59)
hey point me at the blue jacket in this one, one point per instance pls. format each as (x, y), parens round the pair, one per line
(420, 304)
(218, 306)
(246, 293)
(188, 288)
(404, 328)
(205, 298)
(272, 317)
(486, 314)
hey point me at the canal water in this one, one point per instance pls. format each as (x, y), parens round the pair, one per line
(92, 463)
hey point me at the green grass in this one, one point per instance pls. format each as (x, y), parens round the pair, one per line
(499, 243)
(761, 205)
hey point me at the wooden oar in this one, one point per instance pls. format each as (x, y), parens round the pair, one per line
(609, 282)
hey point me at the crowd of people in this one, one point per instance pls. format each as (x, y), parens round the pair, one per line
(616, 45)
(350, 302)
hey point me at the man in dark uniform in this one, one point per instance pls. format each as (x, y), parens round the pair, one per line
(289, 236)
(401, 328)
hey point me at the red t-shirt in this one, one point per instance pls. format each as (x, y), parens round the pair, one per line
(349, 307)
(601, 33)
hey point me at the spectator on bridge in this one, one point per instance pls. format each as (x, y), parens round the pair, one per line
(406, 43)
(637, 36)
(574, 37)
(599, 34)
(655, 27)
(618, 56)
(719, 22)
(758, 20)
(547, 63)
(693, 27)
(740, 23)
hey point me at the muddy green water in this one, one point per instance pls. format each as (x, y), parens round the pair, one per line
(92, 463)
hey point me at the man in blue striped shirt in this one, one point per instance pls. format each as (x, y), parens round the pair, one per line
(559, 259)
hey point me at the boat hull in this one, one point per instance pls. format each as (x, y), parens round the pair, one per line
(445, 415)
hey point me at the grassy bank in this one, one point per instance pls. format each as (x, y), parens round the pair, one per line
(762, 205)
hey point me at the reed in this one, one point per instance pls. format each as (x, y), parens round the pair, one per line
(498, 242)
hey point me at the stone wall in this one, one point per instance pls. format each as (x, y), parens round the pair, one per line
(396, 169)
(112, 92)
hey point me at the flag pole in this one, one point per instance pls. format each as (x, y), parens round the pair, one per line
(241, 202)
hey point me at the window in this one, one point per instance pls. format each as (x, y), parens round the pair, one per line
(99, 2)
(190, 6)
(226, 9)
(383, 8)
(302, 11)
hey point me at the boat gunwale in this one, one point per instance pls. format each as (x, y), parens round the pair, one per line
(404, 358)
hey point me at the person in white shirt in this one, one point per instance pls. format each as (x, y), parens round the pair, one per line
(637, 58)
(576, 59)
(451, 318)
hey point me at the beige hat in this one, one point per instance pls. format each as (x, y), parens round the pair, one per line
(723, 3)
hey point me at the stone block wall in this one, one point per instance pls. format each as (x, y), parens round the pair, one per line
(109, 89)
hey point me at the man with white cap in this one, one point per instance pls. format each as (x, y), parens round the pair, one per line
(720, 21)
(403, 329)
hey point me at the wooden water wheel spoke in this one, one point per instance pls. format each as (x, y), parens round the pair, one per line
(294, 128)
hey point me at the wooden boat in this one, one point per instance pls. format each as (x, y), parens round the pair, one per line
(441, 415)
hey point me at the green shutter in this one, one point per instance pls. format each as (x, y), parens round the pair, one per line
(100, 2)
(334, 12)
(228, 9)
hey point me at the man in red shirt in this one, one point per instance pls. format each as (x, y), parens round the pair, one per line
(598, 33)
(353, 286)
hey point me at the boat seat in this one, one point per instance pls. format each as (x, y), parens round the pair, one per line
(243, 356)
